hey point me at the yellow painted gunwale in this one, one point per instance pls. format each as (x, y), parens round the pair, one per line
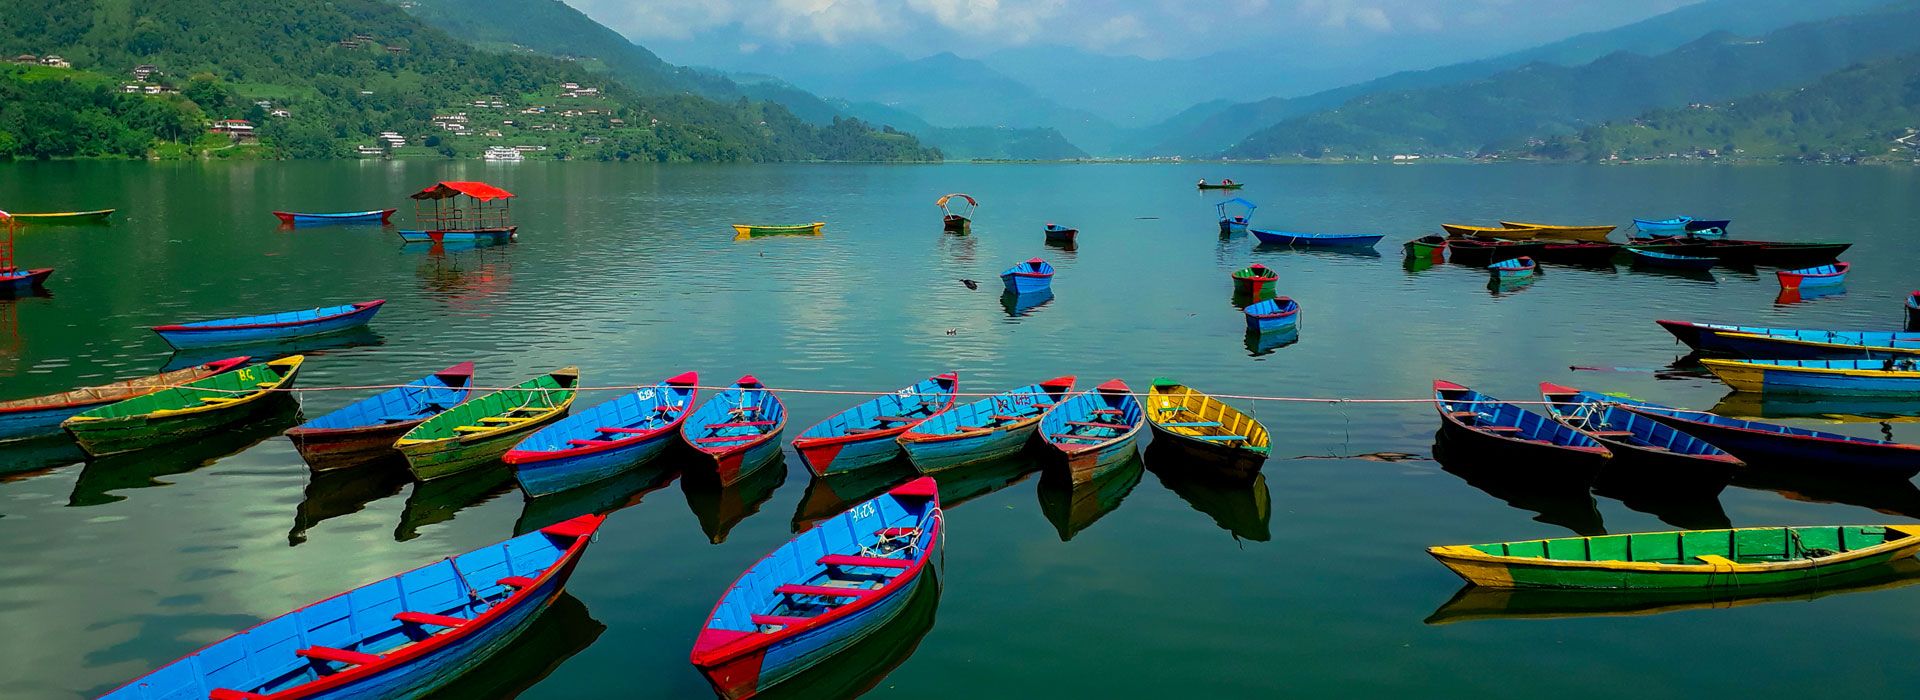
(1579, 233)
(1470, 556)
(813, 229)
(292, 363)
(1492, 231)
(1751, 376)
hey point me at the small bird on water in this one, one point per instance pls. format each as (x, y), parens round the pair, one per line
(970, 283)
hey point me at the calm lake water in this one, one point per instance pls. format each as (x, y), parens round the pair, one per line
(1311, 582)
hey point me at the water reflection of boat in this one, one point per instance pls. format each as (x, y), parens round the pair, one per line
(25, 459)
(1260, 344)
(144, 468)
(831, 495)
(437, 501)
(1756, 406)
(1066, 246)
(1890, 495)
(565, 629)
(1472, 603)
(1244, 299)
(1243, 509)
(1501, 286)
(599, 498)
(1789, 297)
(720, 508)
(1074, 508)
(1017, 305)
(861, 666)
(1696, 511)
(338, 492)
(1561, 502)
(263, 352)
(968, 482)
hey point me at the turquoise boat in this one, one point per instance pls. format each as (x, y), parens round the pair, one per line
(994, 427)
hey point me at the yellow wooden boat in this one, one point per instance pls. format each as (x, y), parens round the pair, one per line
(1516, 234)
(1206, 429)
(66, 217)
(1746, 558)
(742, 231)
(1596, 234)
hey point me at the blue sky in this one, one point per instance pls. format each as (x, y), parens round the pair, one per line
(1149, 28)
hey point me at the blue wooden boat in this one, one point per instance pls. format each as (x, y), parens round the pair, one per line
(1028, 277)
(604, 441)
(864, 436)
(270, 327)
(994, 427)
(1273, 315)
(1678, 223)
(1061, 234)
(1781, 446)
(1526, 443)
(1814, 277)
(1646, 452)
(1891, 378)
(481, 235)
(399, 637)
(739, 429)
(1095, 430)
(1708, 226)
(1710, 337)
(41, 416)
(377, 216)
(822, 592)
(1517, 268)
(1237, 220)
(1913, 311)
(366, 429)
(1316, 240)
(15, 280)
(1653, 258)
(1777, 347)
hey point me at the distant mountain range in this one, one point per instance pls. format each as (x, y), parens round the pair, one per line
(1543, 99)
(1866, 112)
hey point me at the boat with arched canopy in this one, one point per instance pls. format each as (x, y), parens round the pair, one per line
(461, 211)
(957, 217)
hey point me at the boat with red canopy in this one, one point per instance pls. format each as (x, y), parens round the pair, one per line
(461, 211)
(16, 280)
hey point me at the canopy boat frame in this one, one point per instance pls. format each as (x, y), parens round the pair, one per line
(956, 217)
(1230, 222)
(461, 211)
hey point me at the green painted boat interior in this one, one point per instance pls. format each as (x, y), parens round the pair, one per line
(1745, 546)
(214, 389)
(525, 400)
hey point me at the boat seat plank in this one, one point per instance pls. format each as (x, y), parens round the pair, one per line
(863, 431)
(589, 443)
(503, 419)
(1087, 424)
(1216, 438)
(823, 591)
(520, 582)
(894, 419)
(782, 620)
(217, 400)
(1173, 408)
(343, 656)
(872, 562)
(474, 429)
(741, 424)
(1200, 424)
(1610, 433)
(1089, 438)
(975, 428)
(621, 431)
(420, 618)
(1499, 428)
(727, 438)
(231, 694)
(896, 531)
(1106, 412)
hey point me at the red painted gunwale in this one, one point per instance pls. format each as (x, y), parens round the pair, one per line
(684, 379)
(464, 369)
(722, 453)
(357, 308)
(1063, 384)
(953, 379)
(581, 528)
(1282, 301)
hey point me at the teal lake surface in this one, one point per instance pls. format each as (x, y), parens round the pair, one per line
(1313, 582)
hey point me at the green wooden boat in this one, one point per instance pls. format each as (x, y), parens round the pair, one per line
(1746, 558)
(750, 231)
(478, 432)
(189, 410)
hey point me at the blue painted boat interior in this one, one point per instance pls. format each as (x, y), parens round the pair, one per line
(418, 400)
(1488, 411)
(648, 410)
(1879, 338)
(742, 412)
(1269, 307)
(1723, 421)
(265, 659)
(1513, 264)
(991, 412)
(913, 403)
(886, 527)
(1030, 267)
(1639, 430)
(1820, 271)
(282, 317)
(1090, 418)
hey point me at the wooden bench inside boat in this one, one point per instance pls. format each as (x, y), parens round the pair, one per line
(589, 443)
(741, 424)
(504, 419)
(823, 591)
(621, 431)
(871, 562)
(420, 618)
(1215, 438)
(342, 656)
(1092, 438)
(231, 694)
(781, 620)
(1499, 428)
(894, 419)
(1610, 433)
(1200, 424)
(728, 438)
(1090, 424)
(520, 582)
